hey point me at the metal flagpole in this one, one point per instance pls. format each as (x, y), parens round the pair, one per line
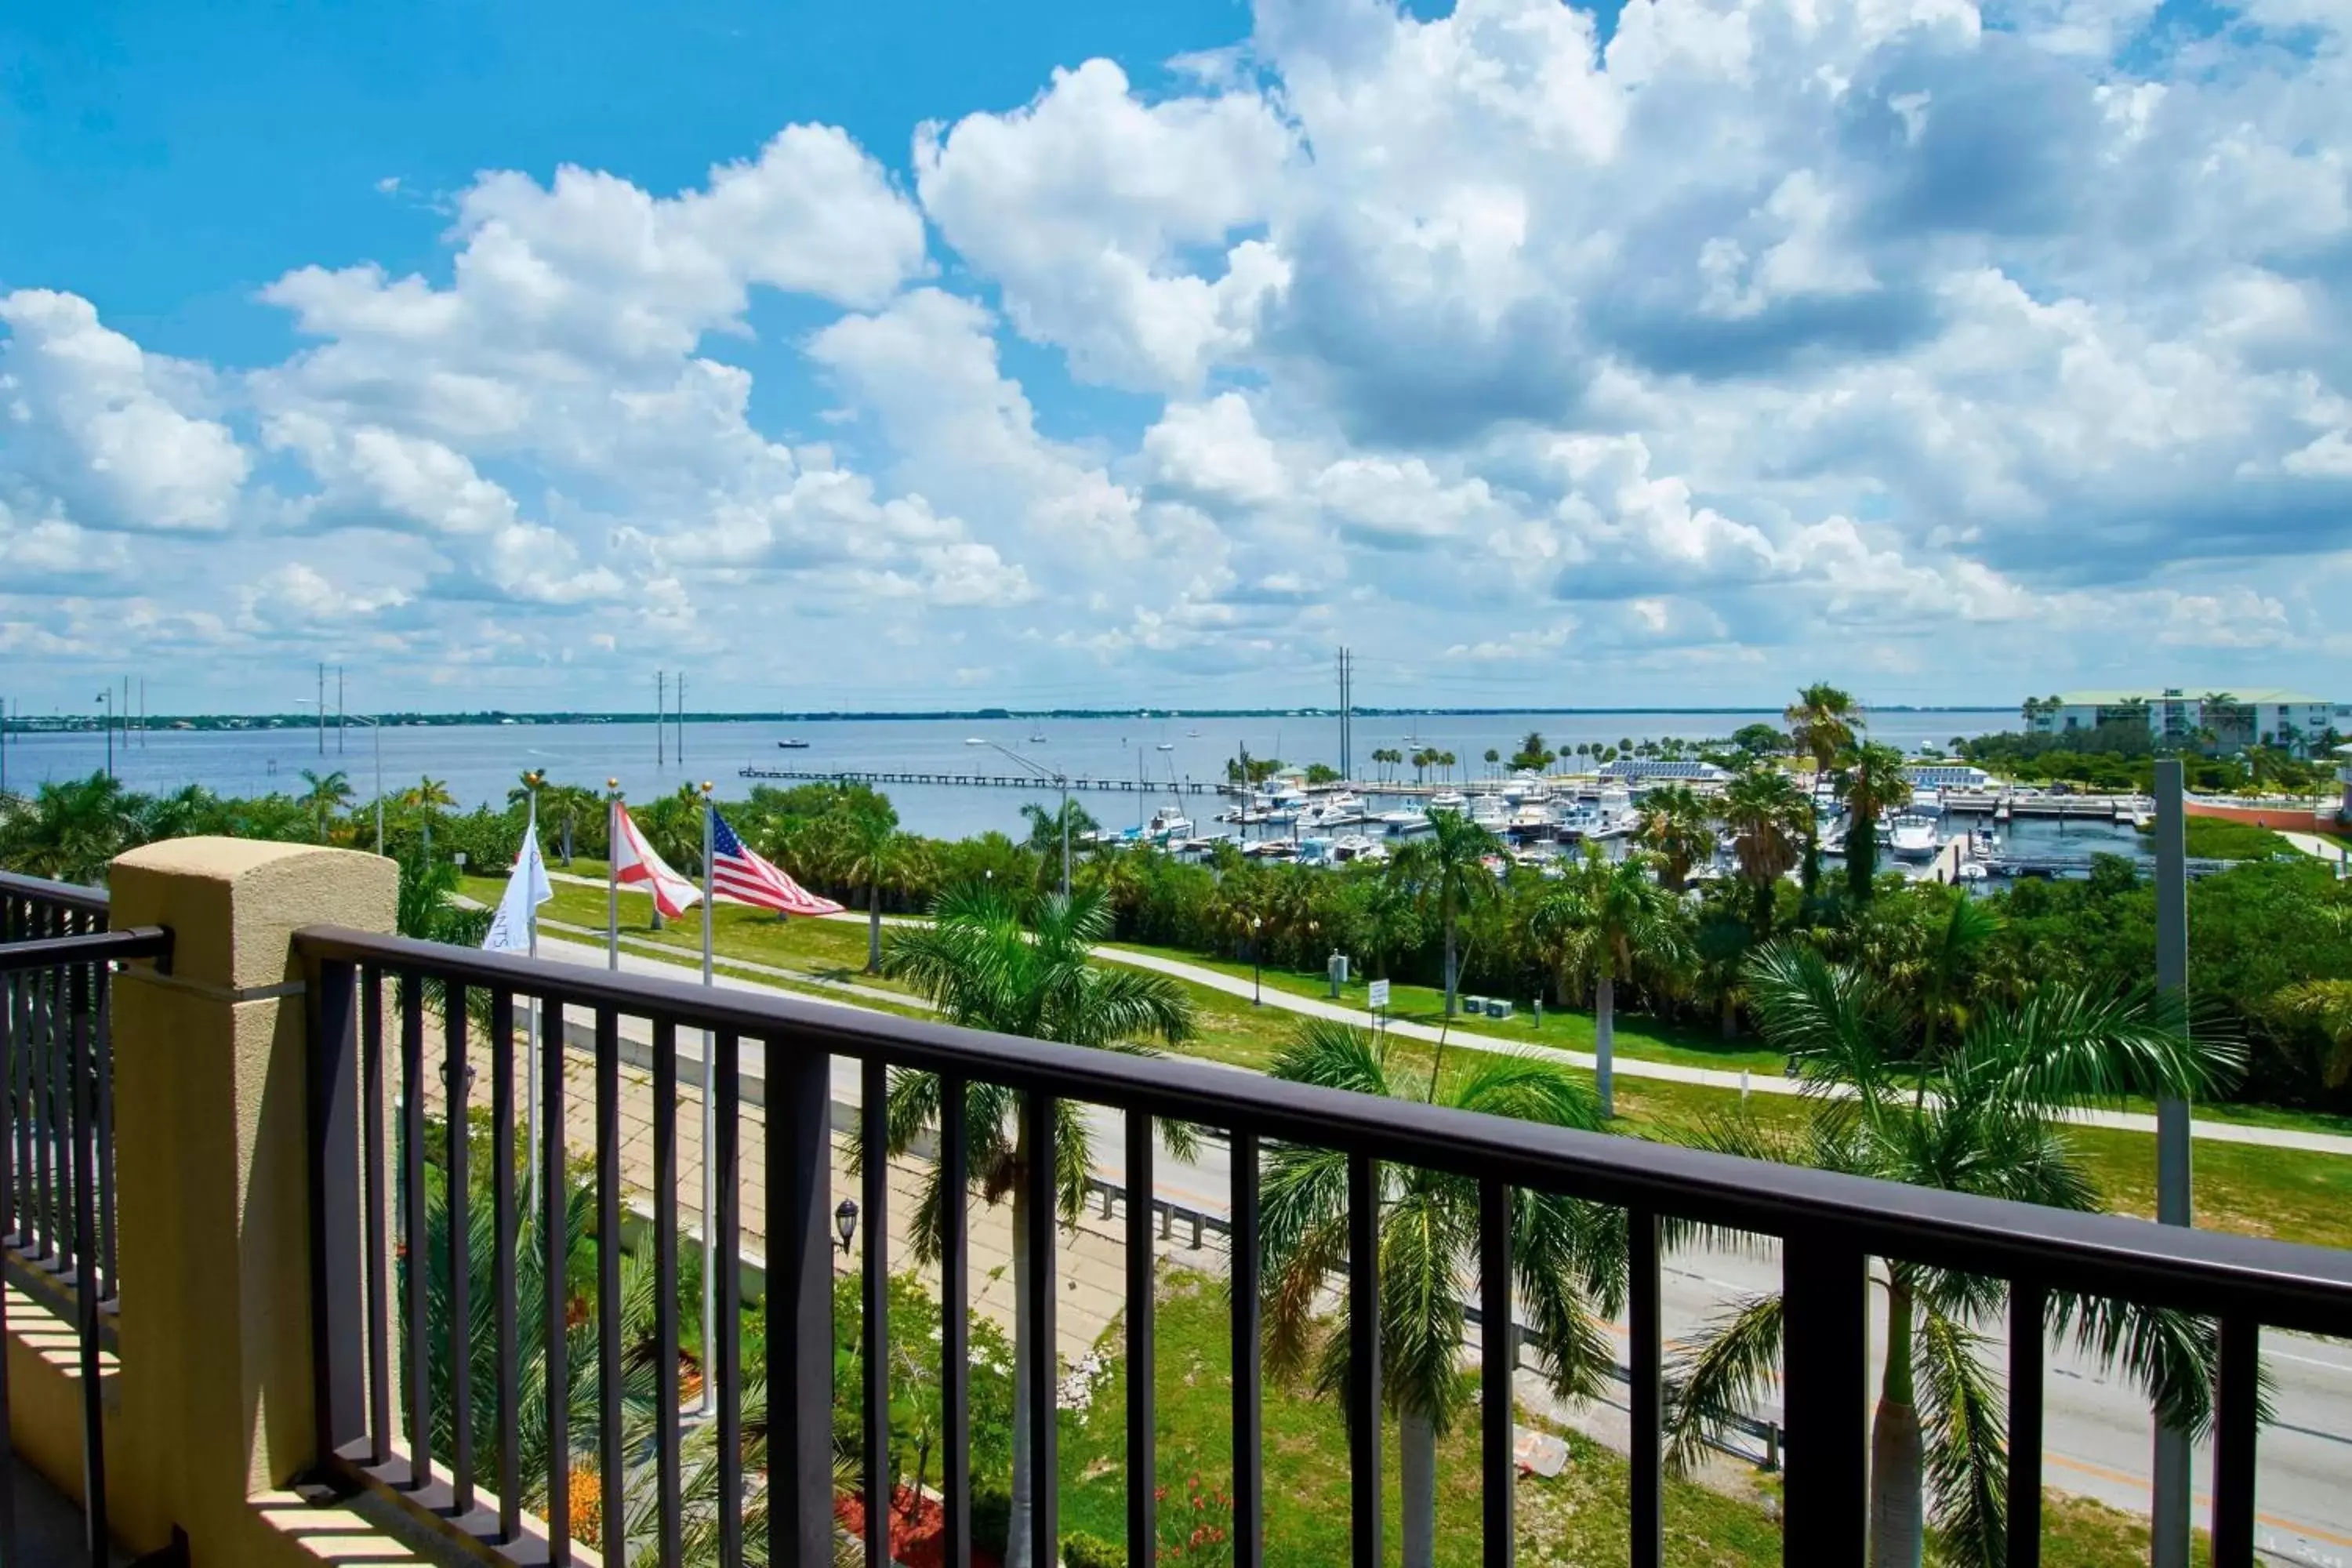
(612, 874)
(709, 1125)
(2168, 1515)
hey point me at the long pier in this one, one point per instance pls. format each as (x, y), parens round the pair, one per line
(2004, 805)
(985, 781)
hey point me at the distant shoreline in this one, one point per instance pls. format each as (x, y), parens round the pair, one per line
(38, 725)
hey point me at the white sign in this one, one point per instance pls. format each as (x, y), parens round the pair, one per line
(1378, 993)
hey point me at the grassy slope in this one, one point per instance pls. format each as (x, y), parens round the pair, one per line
(1578, 1517)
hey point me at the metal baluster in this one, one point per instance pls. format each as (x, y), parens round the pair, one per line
(504, 1306)
(11, 1131)
(955, 1327)
(2236, 1442)
(380, 1306)
(85, 1265)
(613, 1468)
(1647, 1401)
(1037, 1116)
(555, 1210)
(15, 1132)
(333, 1109)
(1249, 1454)
(1142, 1427)
(800, 1303)
(45, 1124)
(1364, 1359)
(723, 1249)
(413, 1235)
(874, 1094)
(102, 1070)
(671, 1548)
(458, 1136)
(1499, 1354)
(1824, 1340)
(2026, 1304)
(65, 1072)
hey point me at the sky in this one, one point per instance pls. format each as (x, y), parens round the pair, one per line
(1057, 354)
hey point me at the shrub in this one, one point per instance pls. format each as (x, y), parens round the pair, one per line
(992, 1519)
(1080, 1550)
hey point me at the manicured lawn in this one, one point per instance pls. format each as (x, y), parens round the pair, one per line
(1577, 1517)
(1568, 1029)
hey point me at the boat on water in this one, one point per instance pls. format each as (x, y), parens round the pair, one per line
(1165, 746)
(1036, 739)
(792, 745)
(1350, 847)
(1402, 821)
(1491, 812)
(1449, 800)
(1914, 837)
(1925, 801)
(1168, 822)
(1531, 820)
(1192, 734)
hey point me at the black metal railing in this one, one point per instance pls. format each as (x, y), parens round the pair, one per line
(56, 1141)
(1829, 1225)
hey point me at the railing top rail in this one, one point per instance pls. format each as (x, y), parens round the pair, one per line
(2208, 1272)
(81, 900)
(95, 947)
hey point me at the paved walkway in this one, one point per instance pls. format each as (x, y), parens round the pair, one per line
(2314, 845)
(1624, 1065)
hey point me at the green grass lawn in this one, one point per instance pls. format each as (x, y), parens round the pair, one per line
(1577, 1517)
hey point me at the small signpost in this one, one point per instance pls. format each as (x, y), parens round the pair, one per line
(1377, 994)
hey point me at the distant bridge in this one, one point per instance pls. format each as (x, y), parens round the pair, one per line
(986, 781)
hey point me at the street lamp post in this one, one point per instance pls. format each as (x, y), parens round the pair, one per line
(1050, 776)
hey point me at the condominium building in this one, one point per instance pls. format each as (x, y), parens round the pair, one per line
(2223, 721)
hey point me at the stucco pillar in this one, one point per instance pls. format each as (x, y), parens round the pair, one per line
(212, 1181)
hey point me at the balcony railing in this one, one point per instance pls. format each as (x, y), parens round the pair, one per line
(56, 1141)
(406, 1042)
(1829, 1225)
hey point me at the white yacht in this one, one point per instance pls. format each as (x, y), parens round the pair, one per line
(1914, 837)
(1168, 822)
(1403, 821)
(1448, 800)
(1490, 812)
(1531, 819)
(1350, 847)
(1925, 801)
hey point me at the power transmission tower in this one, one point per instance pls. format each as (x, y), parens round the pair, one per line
(323, 708)
(661, 718)
(342, 725)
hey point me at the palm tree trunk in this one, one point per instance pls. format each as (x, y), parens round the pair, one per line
(567, 844)
(874, 927)
(1604, 1041)
(1861, 856)
(1449, 966)
(1897, 1524)
(1813, 870)
(1730, 1015)
(1417, 1469)
(1018, 1525)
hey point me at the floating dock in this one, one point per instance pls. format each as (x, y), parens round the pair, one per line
(983, 781)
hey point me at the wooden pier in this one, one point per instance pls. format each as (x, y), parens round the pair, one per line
(984, 781)
(2004, 805)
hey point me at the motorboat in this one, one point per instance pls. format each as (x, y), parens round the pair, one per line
(1914, 837)
(1490, 812)
(1531, 820)
(1036, 739)
(1403, 821)
(1315, 849)
(1350, 847)
(1973, 871)
(1925, 801)
(792, 745)
(1165, 746)
(1449, 800)
(1168, 822)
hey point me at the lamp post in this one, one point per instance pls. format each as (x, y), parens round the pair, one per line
(1257, 972)
(1050, 776)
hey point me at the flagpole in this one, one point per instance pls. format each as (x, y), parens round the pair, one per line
(709, 1130)
(612, 874)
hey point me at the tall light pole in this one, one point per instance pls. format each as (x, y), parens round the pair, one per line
(2168, 1515)
(1050, 776)
(106, 717)
(709, 1099)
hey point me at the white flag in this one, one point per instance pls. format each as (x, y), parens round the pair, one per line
(526, 889)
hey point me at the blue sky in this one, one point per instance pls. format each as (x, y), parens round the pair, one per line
(1062, 353)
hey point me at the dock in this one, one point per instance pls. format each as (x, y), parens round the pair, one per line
(984, 781)
(2004, 805)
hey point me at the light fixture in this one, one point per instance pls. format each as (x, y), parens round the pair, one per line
(844, 1220)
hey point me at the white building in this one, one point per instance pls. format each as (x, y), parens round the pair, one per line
(2343, 775)
(2226, 720)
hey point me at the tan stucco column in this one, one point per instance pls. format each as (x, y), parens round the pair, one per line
(212, 1183)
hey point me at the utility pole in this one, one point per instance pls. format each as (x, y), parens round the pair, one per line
(681, 717)
(323, 708)
(661, 718)
(342, 726)
(2168, 1515)
(142, 712)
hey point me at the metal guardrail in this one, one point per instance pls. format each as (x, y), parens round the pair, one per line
(1828, 1224)
(57, 1142)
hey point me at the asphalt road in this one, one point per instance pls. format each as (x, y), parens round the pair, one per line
(2097, 1433)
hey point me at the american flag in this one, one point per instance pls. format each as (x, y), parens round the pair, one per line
(737, 872)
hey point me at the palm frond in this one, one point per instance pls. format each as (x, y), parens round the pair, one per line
(1965, 1430)
(2172, 1356)
(1721, 1377)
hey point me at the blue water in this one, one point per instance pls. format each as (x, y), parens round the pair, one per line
(480, 763)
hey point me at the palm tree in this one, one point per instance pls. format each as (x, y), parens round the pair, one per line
(1821, 725)
(2328, 1004)
(325, 796)
(1601, 924)
(69, 832)
(875, 855)
(1046, 828)
(1771, 822)
(981, 967)
(428, 798)
(1494, 759)
(1677, 828)
(1872, 784)
(565, 807)
(1568, 1256)
(1448, 865)
(1993, 1122)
